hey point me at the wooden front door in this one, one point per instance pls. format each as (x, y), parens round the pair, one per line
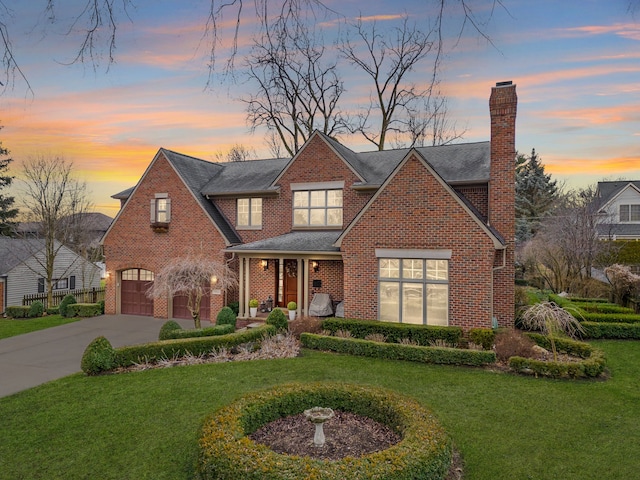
(289, 283)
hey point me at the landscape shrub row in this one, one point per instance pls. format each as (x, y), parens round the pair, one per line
(84, 310)
(602, 307)
(397, 351)
(172, 333)
(591, 366)
(621, 331)
(226, 453)
(610, 317)
(166, 349)
(394, 332)
(18, 312)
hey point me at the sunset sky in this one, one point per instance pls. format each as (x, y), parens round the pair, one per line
(576, 64)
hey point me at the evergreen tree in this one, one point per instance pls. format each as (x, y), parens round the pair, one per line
(535, 195)
(8, 212)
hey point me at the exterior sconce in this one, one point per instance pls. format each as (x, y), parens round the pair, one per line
(315, 265)
(214, 280)
(265, 264)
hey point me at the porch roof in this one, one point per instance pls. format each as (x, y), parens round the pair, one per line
(303, 242)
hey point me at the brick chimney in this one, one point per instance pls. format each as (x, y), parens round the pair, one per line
(502, 192)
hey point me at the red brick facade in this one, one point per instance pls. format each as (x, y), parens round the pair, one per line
(414, 210)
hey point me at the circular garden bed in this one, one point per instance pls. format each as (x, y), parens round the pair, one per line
(227, 451)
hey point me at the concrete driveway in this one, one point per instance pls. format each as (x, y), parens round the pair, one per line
(34, 358)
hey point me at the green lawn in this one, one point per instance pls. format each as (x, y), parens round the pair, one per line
(10, 327)
(145, 425)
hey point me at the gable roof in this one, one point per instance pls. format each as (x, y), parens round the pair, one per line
(245, 177)
(307, 242)
(497, 239)
(14, 251)
(608, 191)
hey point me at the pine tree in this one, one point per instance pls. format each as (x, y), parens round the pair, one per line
(8, 212)
(535, 195)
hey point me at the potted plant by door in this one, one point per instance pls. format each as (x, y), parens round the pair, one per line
(253, 307)
(292, 307)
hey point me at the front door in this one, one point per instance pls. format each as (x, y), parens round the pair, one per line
(289, 285)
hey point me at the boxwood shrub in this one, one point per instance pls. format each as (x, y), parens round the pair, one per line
(98, 357)
(166, 349)
(610, 317)
(226, 453)
(600, 307)
(421, 334)
(151, 352)
(483, 336)
(622, 331)
(67, 300)
(83, 310)
(591, 366)
(226, 316)
(397, 351)
(18, 312)
(166, 329)
(223, 329)
(36, 309)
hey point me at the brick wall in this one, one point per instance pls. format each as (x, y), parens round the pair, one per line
(414, 211)
(478, 195)
(131, 243)
(503, 106)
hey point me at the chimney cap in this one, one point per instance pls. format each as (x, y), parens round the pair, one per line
(504, 84)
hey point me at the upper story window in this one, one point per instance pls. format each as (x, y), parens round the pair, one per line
(160, 210)
(249, 213)
(317, 208)
(630, 213)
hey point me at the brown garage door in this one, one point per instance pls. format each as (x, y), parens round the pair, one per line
(180, 309)
(135, 283)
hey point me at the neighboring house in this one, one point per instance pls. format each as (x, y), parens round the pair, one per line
(93, 227)
(421, 235)
(619, 210)
(21, 271)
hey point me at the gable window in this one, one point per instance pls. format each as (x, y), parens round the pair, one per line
(317, 208)
(249, 213)
(160, 209)
(414, 290)
(630, 213)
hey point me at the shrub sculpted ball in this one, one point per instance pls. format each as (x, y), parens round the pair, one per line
(168, 327)
(278, 319)
(226, 317)
(99, 356)
(66, 301)
(36, 309)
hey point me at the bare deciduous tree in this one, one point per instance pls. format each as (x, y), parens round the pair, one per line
(237, 153)
(389, 62)
(192, 276)
(53, 202)
(296, 89)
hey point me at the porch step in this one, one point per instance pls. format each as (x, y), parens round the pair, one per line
(255, 325)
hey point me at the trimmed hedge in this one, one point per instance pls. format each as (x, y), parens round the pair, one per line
(394, 332)
(610, 317)
(588, 300)
(622, 331)
(483, 336)
(166, 349)
(226, 316)
(216, 330)
(591, 366)
(278, 319)
(166, 329)
(226, 453)
(602, 307)
(66, 301)
(397, 351)
(83, 310)
(99, 356)
(18, 312)
(151, 352)
(53, 311)
(36, 309)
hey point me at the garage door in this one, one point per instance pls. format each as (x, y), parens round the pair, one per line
(180, 309)
(135, 283)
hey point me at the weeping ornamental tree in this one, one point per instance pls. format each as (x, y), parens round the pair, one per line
(193, 277)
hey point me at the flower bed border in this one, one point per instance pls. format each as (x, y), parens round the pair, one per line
(226, 452)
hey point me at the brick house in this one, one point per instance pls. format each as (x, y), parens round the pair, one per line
(421, 235)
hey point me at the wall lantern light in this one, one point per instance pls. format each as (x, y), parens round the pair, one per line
(265, 264)
(214, 280)
(315, 265)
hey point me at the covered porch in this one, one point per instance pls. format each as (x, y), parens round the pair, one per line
(291, 267)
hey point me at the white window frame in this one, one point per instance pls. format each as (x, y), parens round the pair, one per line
(632, 214)
(254, 218)
(416, 262)
(309, 208)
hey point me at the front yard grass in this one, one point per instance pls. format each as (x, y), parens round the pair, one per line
(145, 425)
(10, 327)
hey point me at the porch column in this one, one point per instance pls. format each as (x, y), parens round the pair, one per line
(241, 312)
(247, 275)
(300, 287)
(305, 311)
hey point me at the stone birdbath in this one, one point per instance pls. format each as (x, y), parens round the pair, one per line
(318, 415)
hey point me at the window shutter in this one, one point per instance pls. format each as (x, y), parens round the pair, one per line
(168, 210)
(72, 282)
(41, 285)
(153, 210)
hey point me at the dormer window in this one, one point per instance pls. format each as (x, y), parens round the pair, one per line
(315, 206)
(160, 212)
(630, 213)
